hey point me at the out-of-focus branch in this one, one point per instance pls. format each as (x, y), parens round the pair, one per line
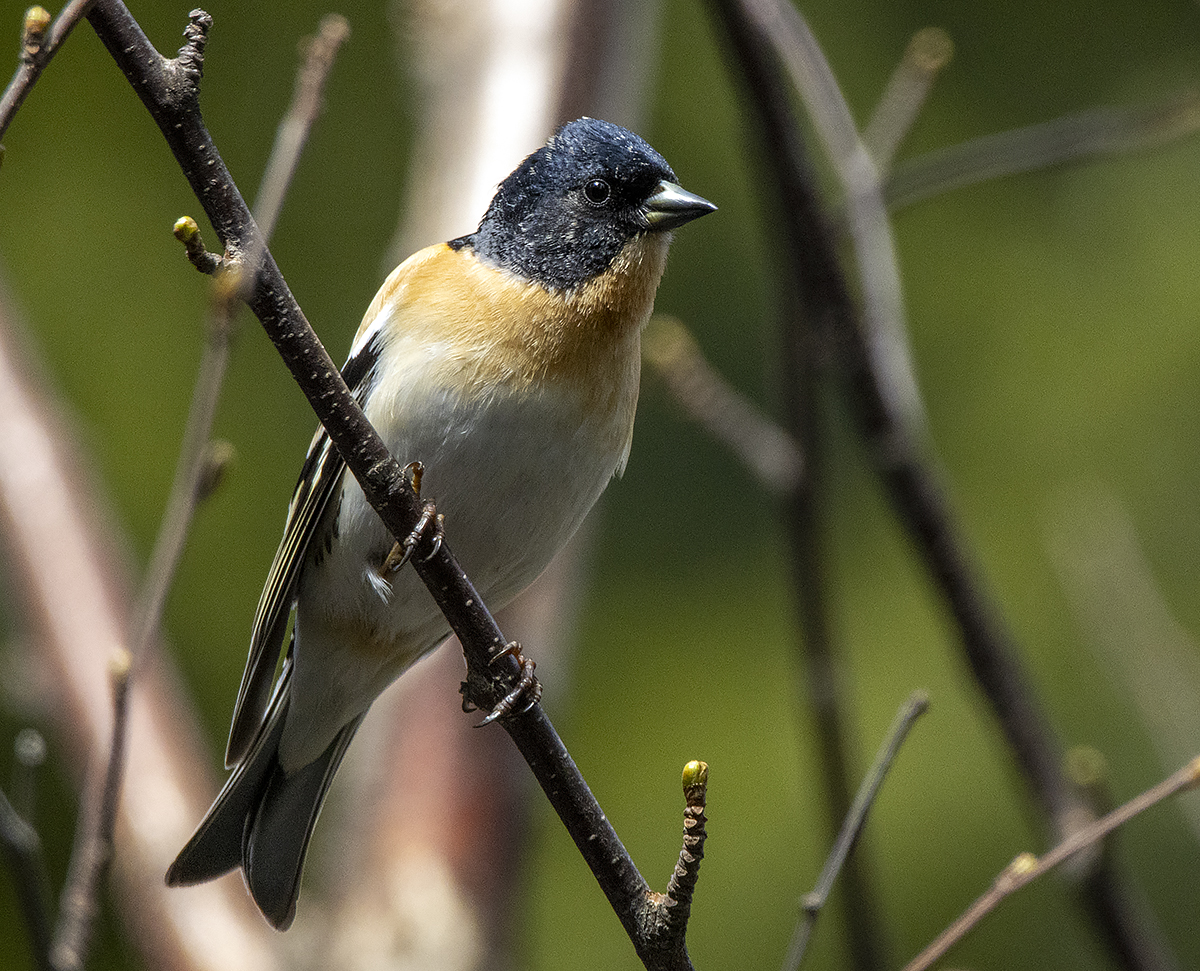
(1128, 622)
(816, 307)
(40, 41)
(1026, 867)
(769, 452)
(23, 847)
(56, 542)
(927, 53)
(95, 831)
(881, 326)
(1070, 138)
(292, 134)
(910, 477)
(852, 826)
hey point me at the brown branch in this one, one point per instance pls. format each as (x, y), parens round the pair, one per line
(169, 90)
(666, 921)
(813, 902)
(1026, 867)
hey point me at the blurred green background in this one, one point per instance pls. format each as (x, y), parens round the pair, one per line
(1053, 321)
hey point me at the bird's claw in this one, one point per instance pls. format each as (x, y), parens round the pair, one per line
(402, 552)
(527, 688)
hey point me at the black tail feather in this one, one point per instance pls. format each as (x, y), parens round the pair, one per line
(216, 846)
(263, 819)
(278, 834)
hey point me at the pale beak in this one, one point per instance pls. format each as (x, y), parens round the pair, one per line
(672, 206)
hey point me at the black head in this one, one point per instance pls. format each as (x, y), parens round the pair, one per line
(566, 211)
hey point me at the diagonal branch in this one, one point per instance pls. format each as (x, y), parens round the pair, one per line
(1025, 867)
(169, 90)
(40, 41)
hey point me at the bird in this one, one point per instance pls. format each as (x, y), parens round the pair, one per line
(506, 363)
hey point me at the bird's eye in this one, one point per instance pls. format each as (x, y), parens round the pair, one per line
(597, 192)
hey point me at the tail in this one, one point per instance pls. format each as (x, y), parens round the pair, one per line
(264, 817)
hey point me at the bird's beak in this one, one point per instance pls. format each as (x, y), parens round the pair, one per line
(672, 206)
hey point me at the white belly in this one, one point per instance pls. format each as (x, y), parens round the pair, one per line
(514, 480)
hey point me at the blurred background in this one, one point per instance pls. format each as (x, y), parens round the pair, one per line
(1052, 318)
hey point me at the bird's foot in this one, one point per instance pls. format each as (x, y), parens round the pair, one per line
(431, 526)
(527, 688)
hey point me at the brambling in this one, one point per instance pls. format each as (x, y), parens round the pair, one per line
(507, 363)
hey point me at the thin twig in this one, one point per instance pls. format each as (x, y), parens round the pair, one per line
(770, 453)
(94, 836)
(1026, 867)
(319, 52)
(677, 902)
(1070, 138)
(927, 53)
(38, 45)
(814, 901)
(23, 847)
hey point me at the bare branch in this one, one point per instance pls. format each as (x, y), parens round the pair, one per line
(170, 93)
(94, 835)
(1026, 867)
(677, 902)
(852, 826)
(319, 52)
(40, 41)
(881, 318)
(56, 541)
(1075, 137)
(927, 53)
(769, 452)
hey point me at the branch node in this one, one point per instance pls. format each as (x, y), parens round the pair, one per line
(188, 232)
(930, 50)
(676, 904)
(120, 664)
(219, 456)
(33, 33)
(695, 783)
(190, 61)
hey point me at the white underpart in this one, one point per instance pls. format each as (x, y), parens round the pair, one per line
(514, 477)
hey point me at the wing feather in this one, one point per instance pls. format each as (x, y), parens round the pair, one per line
(319, 480)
